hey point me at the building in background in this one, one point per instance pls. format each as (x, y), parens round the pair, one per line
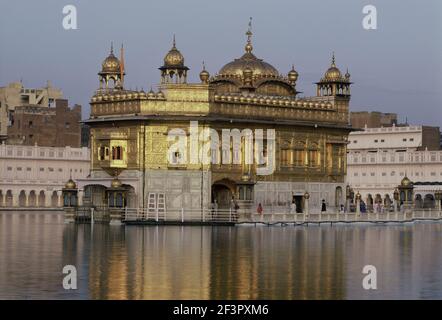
(57, 126)
(38, 116)
(375, 119)
(33, 176)
(14, 95)
(379, 158)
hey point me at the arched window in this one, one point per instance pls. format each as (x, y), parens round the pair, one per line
(117, 153)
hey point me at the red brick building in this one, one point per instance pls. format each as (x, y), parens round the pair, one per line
(57, 126)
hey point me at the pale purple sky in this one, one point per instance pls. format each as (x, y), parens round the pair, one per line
(396, 68)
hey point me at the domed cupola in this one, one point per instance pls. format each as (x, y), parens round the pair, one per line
(251, 74)
(70, 184)
(259, 67)
(173, 69)
(112, 69)
(333, 73)
(111, 64)
(333, 83)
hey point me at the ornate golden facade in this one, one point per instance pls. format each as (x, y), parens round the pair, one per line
(129, 131)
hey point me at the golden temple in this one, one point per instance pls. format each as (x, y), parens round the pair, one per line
(129, 136)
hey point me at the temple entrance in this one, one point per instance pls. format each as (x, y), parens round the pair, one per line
(298, 201)
(222, 195)
(222, 192)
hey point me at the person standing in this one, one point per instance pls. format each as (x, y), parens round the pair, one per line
(293, 207)
(259, 210)
(342, 209)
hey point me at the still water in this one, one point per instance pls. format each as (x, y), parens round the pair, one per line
(244, 262)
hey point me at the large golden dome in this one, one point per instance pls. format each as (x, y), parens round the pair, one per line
(174, 58)
(248, 60)
(254, 75)
(111, 64)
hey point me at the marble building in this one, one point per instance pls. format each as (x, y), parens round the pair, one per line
(130, 147)
(33, 176)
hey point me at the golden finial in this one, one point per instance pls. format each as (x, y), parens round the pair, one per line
(174, 42)
(249, 34)
(292, 75)
(112, 47)
(204, 75)
(333, 60)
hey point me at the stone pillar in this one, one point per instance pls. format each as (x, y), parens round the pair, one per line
(37, 199)
(60, 199)
(15, 195)
(3, 200)
(80, 197)
(27, 198)
(48, 196)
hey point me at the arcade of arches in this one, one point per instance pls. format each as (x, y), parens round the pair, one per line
(25, 198)
(421, 201)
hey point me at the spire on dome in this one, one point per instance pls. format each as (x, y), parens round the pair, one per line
(249, 34)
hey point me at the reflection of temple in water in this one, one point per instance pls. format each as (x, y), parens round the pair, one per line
(275, 263)
(213, 263)
(149, 263)
(253, 262)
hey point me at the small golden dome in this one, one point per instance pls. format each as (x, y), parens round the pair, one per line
(204, 74)
(174, 58)
(406, 182)
(307, 195)
(333, 73)
(358, 196)
(70, 184)
(347, 75)
(293, 75)
(116, 183)
(111, 64)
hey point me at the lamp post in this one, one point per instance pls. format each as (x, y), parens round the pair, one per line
(306, 201)
(395, 199)
(347, 198)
